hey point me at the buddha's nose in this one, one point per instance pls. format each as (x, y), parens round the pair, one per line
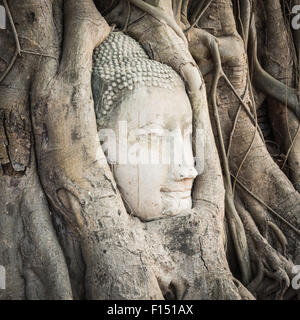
(181, 172)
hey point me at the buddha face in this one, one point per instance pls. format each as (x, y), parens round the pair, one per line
(152, 158)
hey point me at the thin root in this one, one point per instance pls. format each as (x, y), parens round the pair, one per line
(18, 48)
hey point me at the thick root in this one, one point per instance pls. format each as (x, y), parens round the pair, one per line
(269, 264)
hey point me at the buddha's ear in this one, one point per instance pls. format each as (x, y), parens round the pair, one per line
(98, 89)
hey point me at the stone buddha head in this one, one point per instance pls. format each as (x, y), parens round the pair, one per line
(144, 119)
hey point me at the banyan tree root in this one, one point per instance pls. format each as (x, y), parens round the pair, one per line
(267, 262)
(281, 62)
(251, 139)
(79, 185)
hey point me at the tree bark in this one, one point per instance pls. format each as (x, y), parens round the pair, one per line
(64, 230)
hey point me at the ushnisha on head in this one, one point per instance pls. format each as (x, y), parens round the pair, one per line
(149, 98)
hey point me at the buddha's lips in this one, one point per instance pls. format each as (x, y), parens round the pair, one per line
(175, 187)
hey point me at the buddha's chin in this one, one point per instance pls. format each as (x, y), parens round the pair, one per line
(174, 203)
(170, 204)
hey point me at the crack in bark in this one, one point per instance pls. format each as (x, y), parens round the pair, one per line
(201, 255)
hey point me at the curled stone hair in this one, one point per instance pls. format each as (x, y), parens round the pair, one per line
(121, 65)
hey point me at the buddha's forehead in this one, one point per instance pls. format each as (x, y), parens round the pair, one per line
(156, 106)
